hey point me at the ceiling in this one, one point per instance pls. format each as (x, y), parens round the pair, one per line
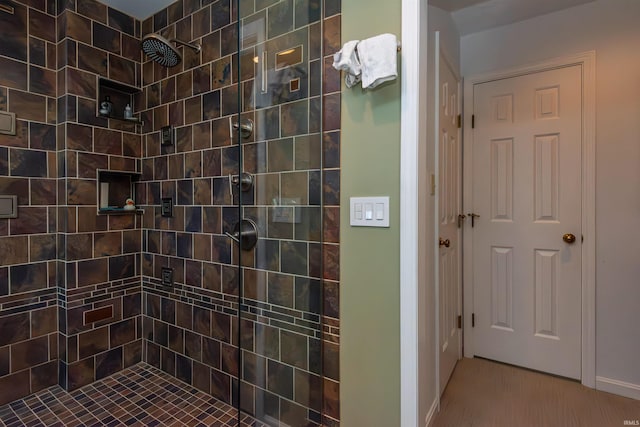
(472, 16)
(141, 9)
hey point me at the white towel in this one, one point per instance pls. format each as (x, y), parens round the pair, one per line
(346, 59)
(378, 59)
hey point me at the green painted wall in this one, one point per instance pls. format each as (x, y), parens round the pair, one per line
(370, 260)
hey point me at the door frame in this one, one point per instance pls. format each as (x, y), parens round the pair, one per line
(412, 136)
(587, 61)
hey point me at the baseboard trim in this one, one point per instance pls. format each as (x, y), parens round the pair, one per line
(618, 387)
(431, 413)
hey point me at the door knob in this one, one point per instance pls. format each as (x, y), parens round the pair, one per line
(445, 243)
(569, 238)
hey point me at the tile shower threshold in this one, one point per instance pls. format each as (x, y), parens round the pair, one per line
(138, 396)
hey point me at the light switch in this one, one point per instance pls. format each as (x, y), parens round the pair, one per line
(379, 211)
(358, 211)
(369, 211)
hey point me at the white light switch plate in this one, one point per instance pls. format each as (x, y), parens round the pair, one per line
(369, 211)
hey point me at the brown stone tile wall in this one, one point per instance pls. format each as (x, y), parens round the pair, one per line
(28, 169)
(28, 351)
(281, 358)
(288, 334)
(99, 255)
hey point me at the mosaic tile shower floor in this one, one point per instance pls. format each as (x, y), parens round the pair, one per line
(138, 396)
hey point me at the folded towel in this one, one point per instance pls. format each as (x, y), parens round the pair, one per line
(347, 60)
(378, 59)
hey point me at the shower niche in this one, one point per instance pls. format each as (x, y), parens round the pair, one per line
(113, 98)
(114, 189)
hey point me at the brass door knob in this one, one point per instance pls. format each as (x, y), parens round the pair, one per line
(445, 243)
(569, 238)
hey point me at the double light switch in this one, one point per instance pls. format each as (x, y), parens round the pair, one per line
(369, 211)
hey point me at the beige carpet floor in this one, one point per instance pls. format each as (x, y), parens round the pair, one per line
(484, 393)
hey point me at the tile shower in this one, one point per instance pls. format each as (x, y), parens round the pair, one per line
(81, 296)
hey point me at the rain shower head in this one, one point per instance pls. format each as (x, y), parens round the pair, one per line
(162, 50)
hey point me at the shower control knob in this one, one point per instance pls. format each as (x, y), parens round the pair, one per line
(245, 233)
(244, 180)
(245, 127)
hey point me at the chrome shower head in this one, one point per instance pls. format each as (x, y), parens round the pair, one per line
(162, 51)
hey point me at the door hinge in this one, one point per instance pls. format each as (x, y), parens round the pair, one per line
(459, 121)
(473, 320)
(473, 121)
(459, 322)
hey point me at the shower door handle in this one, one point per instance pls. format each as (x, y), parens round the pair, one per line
(245, 233)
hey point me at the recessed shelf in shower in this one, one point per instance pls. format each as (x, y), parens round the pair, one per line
(120, 96)
(113, 190)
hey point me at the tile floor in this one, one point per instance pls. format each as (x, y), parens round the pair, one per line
(138, 396)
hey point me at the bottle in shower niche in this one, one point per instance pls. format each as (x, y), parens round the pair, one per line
(128, 112)
(106, 106)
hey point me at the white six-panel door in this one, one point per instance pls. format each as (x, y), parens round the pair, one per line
(527, 192)
(449, 192)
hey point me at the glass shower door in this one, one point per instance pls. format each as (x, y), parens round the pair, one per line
(278, 191)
